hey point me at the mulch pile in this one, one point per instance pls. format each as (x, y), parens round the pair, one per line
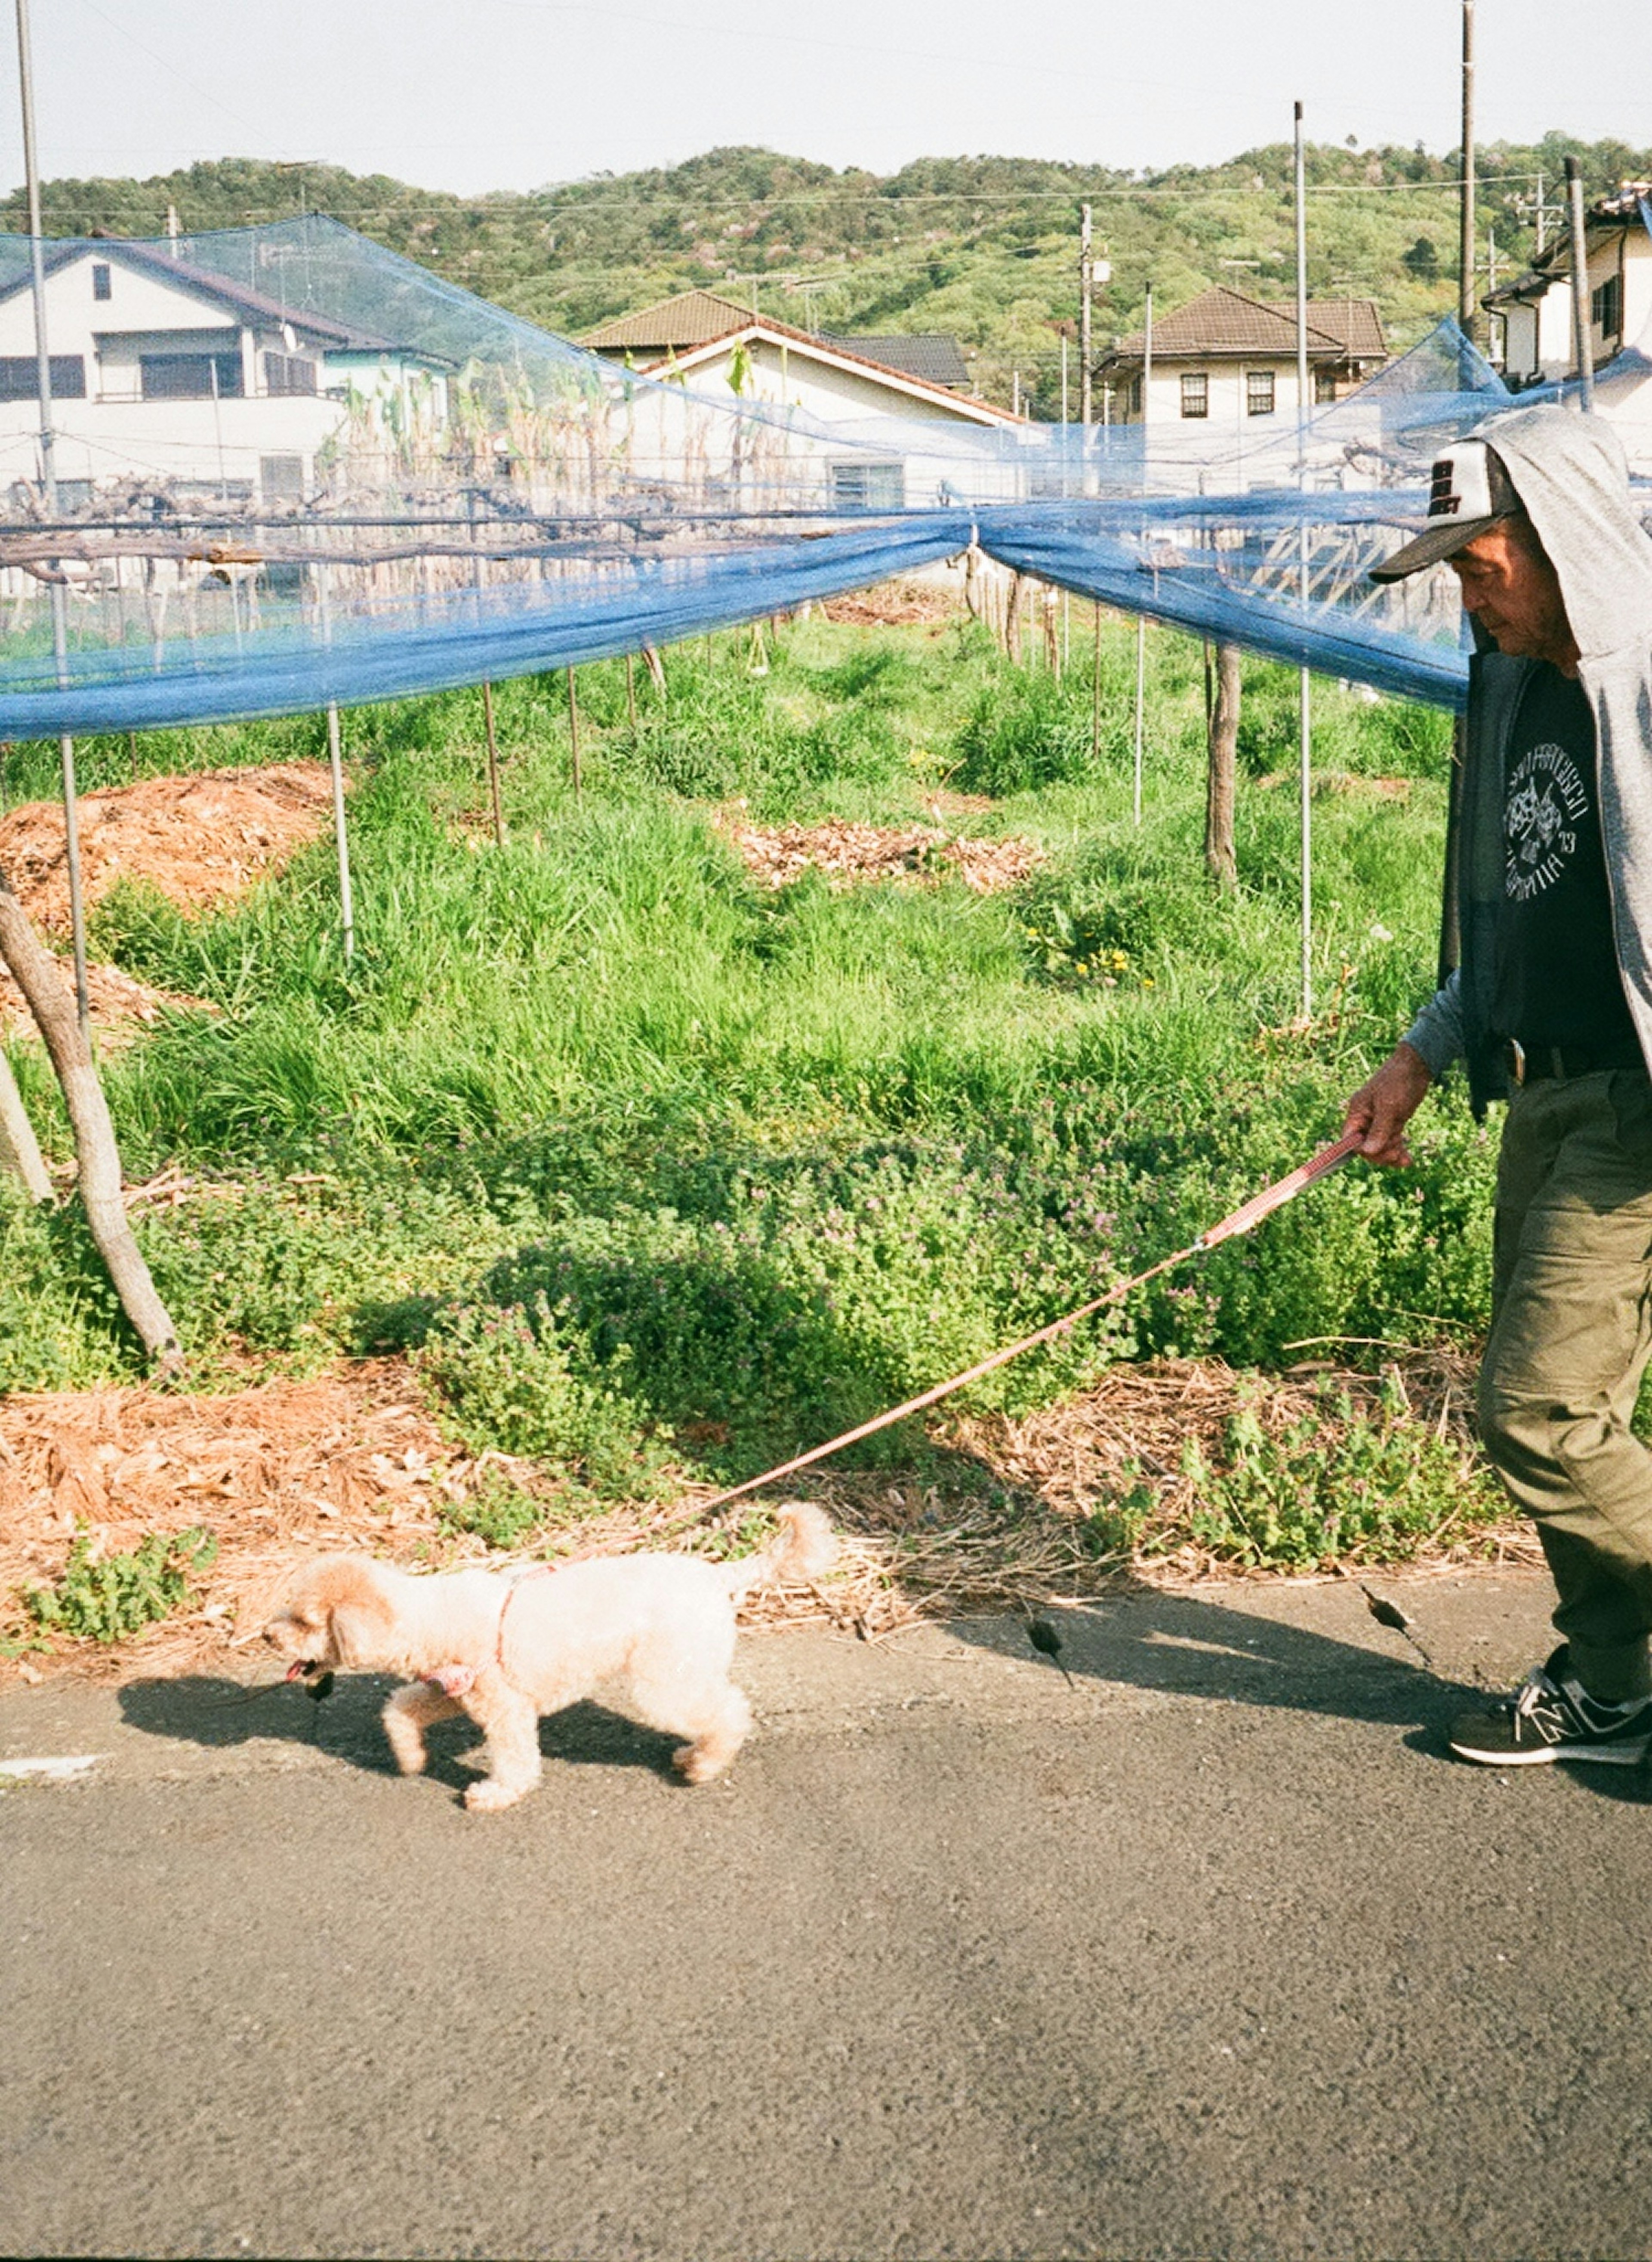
(895, 604)
(357, 1459)
(200, 839)
(847, 852)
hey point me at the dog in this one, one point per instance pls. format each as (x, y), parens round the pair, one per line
(655, 1634)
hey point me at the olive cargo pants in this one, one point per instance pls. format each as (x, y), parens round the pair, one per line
(1571, 1330)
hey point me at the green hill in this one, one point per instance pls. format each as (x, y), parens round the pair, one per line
(984, 246)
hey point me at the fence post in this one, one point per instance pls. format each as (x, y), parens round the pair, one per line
(335, 759)
(492, 764)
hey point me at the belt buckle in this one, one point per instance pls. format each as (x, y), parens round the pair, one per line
(1517, 1061)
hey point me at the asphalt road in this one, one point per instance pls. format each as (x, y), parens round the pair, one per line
(1210, 1955)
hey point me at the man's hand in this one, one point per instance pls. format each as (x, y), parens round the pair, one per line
(1382, 1108)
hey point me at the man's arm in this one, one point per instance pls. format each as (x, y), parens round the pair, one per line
(1381, 1108)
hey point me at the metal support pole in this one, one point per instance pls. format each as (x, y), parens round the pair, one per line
(1582, 340)
(1084, 318)
(1141, 684)
(335, 757)
(1465, 234)
(493, 765)
(1303, 694)
(573, 726)
(48, 488)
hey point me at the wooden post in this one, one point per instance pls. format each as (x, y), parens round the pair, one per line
(1223, 749)
(656, 667)
(132, 755)
(630, 689)
(37, 974)
(492, 764)
(573, 728)
(1095, 695)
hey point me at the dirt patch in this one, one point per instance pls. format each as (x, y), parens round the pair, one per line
(848, 853)
(355, 1459)
(201, 839)
(121, 1005)
(895, 605)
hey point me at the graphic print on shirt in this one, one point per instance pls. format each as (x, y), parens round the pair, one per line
(1547, 798)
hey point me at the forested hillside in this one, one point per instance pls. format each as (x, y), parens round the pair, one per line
(984, 246)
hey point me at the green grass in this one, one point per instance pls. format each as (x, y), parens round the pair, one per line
(632, 1152)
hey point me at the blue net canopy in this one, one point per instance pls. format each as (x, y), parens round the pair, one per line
(292, 467)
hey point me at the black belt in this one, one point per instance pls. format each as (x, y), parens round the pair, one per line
(1527, 1063)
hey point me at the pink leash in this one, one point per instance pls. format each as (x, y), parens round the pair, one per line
(1242, 1220)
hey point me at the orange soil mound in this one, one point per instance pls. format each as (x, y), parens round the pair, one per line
(846, 852)
(895, 604)
(200, 839)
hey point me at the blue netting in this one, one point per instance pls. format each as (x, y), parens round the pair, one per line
(385, 486)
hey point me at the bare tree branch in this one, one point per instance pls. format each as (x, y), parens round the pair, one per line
(36, 973)
(19, 1148)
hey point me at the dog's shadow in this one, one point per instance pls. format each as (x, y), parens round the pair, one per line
(218, 1714)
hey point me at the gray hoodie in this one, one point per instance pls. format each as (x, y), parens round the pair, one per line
(1570, 473)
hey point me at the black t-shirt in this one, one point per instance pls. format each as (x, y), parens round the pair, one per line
(1557, 978)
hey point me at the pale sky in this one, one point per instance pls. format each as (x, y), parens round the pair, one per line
(472, 95)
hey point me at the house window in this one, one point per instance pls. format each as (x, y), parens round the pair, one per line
(1605, 308)
(19, 377)
(1196, 394)
(868, 487)
(1325, 387)
(190, 377)
(280, 478)
(289, 373)
(1133, 397)
(103, 281)
(1259, 393)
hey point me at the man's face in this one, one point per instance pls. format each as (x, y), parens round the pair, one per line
(1513, 590)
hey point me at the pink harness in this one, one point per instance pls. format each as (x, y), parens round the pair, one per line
(458, 1679)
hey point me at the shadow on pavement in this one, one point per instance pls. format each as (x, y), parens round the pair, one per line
(218, 1714)
(1181, 1646)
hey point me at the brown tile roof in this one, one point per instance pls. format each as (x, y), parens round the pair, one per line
(834, 349)
(687, 319)
(1223, 320)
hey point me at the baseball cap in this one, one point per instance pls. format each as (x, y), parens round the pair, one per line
(1469, 491)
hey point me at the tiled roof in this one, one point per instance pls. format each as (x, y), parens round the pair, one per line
(252, 305)
(935, 358)
(753, 326)
(688, 319)
(1223, 320)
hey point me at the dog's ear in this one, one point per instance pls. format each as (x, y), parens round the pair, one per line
(361, 1619)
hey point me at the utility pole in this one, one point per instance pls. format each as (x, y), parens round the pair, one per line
(1582, 342)
(1085, 287)
(48, 486)
(1466, 232)
(1305, 740)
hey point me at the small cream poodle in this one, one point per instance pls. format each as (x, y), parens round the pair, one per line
(654, 1633)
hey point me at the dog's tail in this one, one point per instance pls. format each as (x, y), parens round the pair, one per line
(804, 1548)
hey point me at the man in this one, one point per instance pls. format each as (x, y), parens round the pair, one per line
(1550, 1007)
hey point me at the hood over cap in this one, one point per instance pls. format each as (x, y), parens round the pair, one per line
(1572, 477)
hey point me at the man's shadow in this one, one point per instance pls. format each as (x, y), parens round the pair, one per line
(218, 1714)
(1181, 1645)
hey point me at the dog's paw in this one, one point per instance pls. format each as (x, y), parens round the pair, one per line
(695, 1764)
(490, 1796)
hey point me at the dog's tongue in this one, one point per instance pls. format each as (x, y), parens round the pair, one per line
(297, 1670)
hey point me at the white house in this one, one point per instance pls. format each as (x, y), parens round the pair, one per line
(1224, 365)
(1536, 313)
(162, 371)
(836, 388)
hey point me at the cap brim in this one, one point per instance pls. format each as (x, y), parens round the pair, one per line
(1430, 548)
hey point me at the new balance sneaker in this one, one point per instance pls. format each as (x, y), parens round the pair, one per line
(1553, 1717)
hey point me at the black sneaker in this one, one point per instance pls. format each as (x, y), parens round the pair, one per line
(1553, 1717)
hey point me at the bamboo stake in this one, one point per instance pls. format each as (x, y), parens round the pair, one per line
(630, 689)
(573, 728)
(336, 762)
(1095, 694)
(492, 764)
